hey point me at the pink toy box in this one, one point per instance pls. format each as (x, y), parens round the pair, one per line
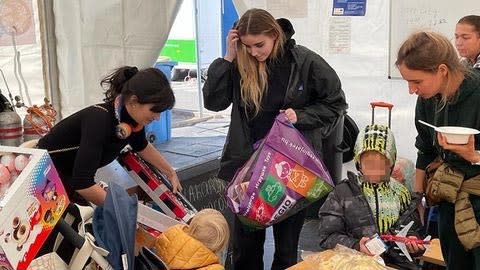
(32, 199)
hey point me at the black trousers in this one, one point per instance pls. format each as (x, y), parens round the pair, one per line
(248, 245)
(456, 257)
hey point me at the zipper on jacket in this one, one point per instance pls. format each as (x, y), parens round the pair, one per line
(358, 189)
(291, 85)
(377, 214)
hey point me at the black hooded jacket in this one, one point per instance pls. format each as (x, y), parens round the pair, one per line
(313, 90)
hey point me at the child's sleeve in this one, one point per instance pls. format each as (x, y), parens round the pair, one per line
(404, 197)
(332, 224)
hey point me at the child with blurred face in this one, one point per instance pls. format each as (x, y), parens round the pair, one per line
(375, 167)
(369, 202)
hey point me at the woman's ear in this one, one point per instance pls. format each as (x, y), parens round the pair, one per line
(443, 69)
(133, 99)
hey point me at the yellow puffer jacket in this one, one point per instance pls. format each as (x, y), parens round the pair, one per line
(181, 251)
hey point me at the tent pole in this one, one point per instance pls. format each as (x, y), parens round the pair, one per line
(199, 70)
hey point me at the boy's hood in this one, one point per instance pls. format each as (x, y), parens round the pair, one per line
(378, 138)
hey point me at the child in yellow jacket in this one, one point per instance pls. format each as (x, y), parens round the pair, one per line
(195, 246)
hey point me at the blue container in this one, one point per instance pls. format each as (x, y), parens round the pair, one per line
(166, 67)
(160, 131)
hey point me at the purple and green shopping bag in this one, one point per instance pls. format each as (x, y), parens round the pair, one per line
(282, 177)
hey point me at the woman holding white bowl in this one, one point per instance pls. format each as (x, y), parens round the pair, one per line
(448, 95)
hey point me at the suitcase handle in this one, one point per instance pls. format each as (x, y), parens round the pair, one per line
(382, 104)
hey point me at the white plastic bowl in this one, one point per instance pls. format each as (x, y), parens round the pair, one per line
(457, 135)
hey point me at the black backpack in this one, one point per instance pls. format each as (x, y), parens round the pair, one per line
(350, 133)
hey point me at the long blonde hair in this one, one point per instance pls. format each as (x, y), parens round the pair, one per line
(210, 227)
(254, 74)
(426, 51)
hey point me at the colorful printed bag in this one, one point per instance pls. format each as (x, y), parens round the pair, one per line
(282, 177)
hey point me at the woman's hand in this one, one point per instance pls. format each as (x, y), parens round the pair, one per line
(152, 156)
(232, 39)
(172, 176)
(363, 248)
(466, 151)
(291, 115)
(94, 194)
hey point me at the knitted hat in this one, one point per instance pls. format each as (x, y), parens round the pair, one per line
(377, 138)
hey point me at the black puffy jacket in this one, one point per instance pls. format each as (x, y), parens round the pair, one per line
(346, 217)
(314, 91)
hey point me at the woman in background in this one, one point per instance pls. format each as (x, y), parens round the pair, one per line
(467, 40)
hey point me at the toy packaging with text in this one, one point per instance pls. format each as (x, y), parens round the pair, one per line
(32, 199)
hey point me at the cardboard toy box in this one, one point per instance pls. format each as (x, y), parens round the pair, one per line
(151, 225)
(157, 187)
(32, 199)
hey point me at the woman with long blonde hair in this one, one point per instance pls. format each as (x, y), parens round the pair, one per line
(265, 72)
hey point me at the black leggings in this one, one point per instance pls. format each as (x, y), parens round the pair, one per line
(456, 257)
(248, 245)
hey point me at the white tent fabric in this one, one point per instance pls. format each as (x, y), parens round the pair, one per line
(30, 52)
(314, 28)
(357, 48)
(94, 37)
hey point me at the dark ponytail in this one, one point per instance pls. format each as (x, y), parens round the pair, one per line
(115, 81)
(149, 85)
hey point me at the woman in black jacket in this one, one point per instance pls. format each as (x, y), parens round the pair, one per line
(262, 73)
(93, 137)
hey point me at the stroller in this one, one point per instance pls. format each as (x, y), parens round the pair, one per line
(87, 241)
(83, 241)
(93, 239)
